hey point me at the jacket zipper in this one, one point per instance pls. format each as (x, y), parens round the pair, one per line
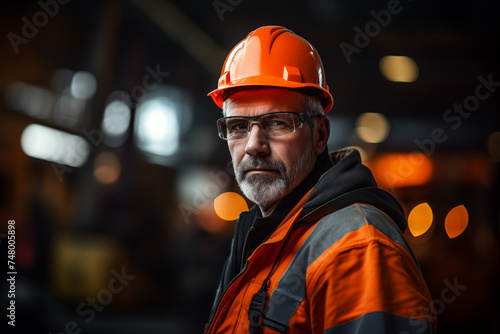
(245, 244)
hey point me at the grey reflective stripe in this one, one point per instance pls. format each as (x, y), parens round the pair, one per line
(289, 293)
(387, 226)
(382, 322)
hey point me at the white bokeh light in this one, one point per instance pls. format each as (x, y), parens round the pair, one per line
(45, 143)
(83, 85)
(157, 127)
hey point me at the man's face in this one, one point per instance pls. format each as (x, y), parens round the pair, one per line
(267, 169)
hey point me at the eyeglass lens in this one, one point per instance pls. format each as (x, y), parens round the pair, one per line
(273, 125)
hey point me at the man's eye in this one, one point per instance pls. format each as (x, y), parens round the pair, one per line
(276, 123)
(237, 126)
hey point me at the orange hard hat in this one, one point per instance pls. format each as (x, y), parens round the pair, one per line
(277, 57)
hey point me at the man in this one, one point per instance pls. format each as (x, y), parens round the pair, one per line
(322, 250)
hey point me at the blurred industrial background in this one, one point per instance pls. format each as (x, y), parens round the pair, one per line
(122, 194)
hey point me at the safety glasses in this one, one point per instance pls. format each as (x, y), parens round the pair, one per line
(276, 124)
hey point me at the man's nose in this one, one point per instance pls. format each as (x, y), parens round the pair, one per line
(257, 141)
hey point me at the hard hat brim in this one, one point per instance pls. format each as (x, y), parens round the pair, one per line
(251, 82)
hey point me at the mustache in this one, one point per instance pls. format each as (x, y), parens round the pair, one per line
(256, 162)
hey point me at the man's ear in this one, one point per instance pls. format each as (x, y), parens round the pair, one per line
(321, 134)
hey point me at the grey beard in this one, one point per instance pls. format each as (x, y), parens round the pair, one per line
(264, 190)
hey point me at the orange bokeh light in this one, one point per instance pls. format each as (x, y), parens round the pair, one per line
(456, 221)
(395, 170)
(107, 168)
(420, 219)
(209, 220)
(229, 205)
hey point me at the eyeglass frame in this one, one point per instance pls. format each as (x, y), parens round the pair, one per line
(303, 117)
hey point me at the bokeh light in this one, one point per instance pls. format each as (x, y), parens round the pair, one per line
(49, 144)
(420, 219)
(157, 127)
(116, 118)
(208, 219)
(83, 85)
(456, 221)
(399, 68)
(116, 122)
(107, 168)
(396, 170)
(372, 127)
(229, 205)
(29, 99)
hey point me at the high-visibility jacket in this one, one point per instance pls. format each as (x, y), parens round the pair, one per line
(344, 267)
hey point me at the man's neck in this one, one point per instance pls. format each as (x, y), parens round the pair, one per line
(269, 209)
